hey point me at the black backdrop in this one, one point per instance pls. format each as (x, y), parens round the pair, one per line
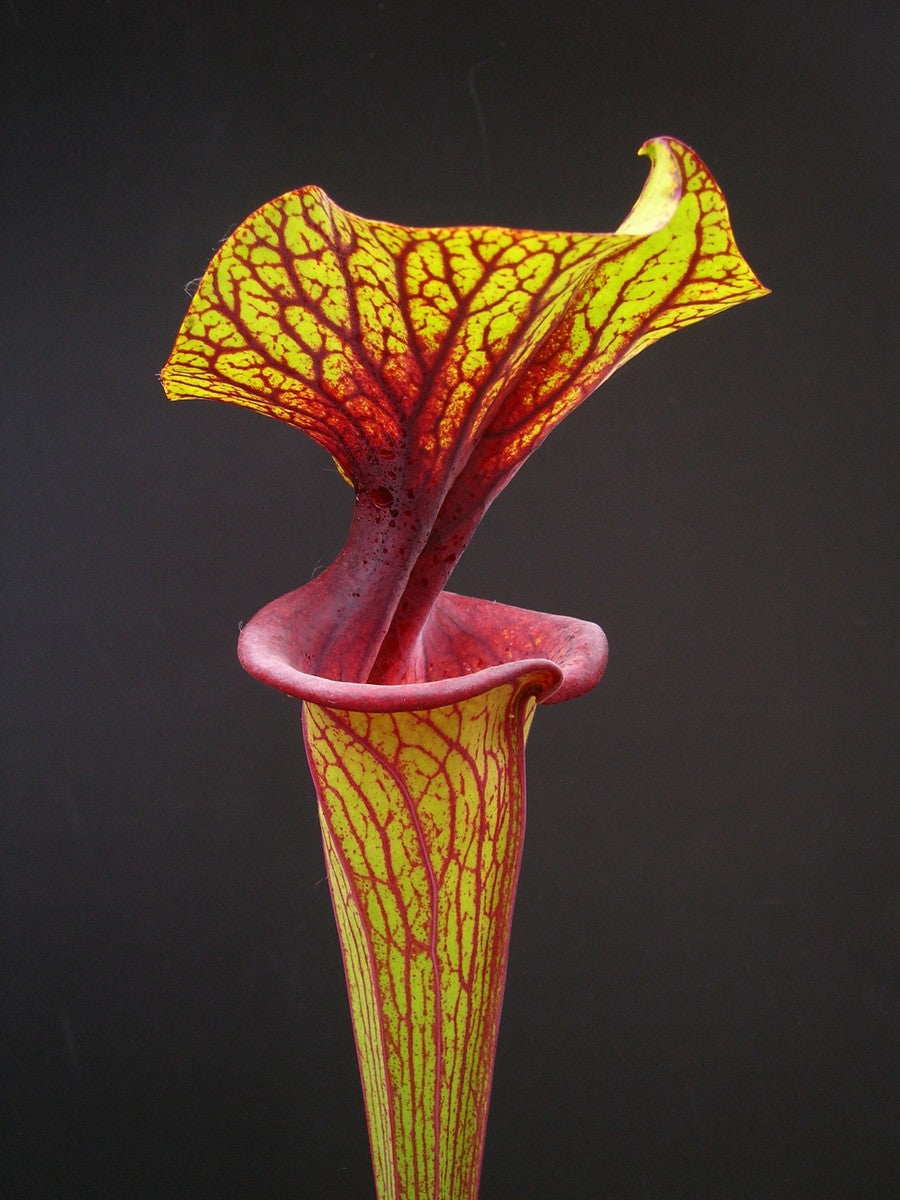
(700, 996)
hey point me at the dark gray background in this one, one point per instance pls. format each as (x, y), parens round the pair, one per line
(700, 996)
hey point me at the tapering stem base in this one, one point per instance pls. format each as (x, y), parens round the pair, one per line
(423, 817)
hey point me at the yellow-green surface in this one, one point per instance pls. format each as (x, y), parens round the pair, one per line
(422, 817)
(421, 344)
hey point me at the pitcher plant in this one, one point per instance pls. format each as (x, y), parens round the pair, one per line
(429, 363)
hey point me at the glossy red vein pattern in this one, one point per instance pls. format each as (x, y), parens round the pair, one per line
(423, 817)
(431, 362)
(422, 804)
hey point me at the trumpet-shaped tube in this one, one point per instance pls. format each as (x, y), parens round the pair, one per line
(421, 791)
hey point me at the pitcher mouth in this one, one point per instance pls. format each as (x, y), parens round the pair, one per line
(468, 647)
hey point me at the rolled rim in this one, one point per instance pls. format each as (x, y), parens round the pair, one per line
(469, 647)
